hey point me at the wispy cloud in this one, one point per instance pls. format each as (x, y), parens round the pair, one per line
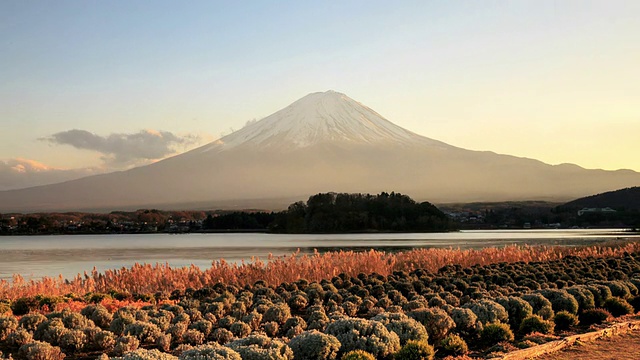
(121, 150)
(22, 173)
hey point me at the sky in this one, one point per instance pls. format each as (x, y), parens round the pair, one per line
(95, 86)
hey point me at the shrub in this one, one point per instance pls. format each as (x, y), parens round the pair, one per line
(405, 327)
(594, 316)
(147, 333)
(104, 340)
(435, 320)
(600, 293)
(358, 355)
(50, 331)
(618, 306)
(38, 350)
(494, 333)
(260, 347)
(583, 296)
(204, 326)
(453, 345)
(19, 337)
(367, 335)
(517, 308)
(565, 320)
(560, 300)
(278, 313)
(540, 304)
(31, 321)
(415, 350)
(73, 340)
(193, 337)
(221, 336)
(210, 352)
(126, 344)
(465, 320)
(314, 345)
(142, 354)
(8, 323)
(488, 311)
(534, 323)
(240, 329)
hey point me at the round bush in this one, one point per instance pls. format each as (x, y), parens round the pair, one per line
(19, 337)
(565, 320)
(147, 333)
(435, 320)
(534, 323)
(594, 316)
(240, 329)
(618, 306)
(30, 322)
(314, 345)
(583, 296)
(415, 350)
(488, 311)
(453, 345)
(494, 333)
(405, 327)
(541, 306)
(260, 347)
(210, 352)
(367, 335)
(278, 313)
(358, 355)
(465, 320)
(517, 308)
(560, 300)
(8, 324)
(37, 350)
(143, 354)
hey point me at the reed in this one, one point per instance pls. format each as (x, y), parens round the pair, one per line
(149, 279)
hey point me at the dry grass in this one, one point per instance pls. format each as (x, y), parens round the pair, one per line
(148, 278)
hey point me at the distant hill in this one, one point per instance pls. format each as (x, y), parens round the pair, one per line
(623, 199)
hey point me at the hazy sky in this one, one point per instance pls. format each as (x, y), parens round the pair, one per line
(111, 84)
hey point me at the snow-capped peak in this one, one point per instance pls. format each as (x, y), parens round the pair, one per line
(317, 118)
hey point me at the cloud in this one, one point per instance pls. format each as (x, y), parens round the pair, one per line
(120, 150)
(22, 173)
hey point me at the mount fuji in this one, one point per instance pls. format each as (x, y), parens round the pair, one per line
(323, 142)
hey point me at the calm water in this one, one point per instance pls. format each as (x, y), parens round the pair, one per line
(69, 255)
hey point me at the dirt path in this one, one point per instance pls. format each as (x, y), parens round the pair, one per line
(623, 347)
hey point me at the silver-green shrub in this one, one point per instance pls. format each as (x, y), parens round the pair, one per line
(541, 306)
(517, 308)
(260, 347)
(19, 337)
(221, 336)
(278, 312)
(8, 324)
(405, 327)
(465, 320)
(314, 345)
(73, 340)
(437, 322)
(126, 344)
(39, 350)
(146, 332)
(488, 311)
(31, 321)
(370, 336)
(142, 354)
(193, 337)
(560, 300)
(240, 329)
(210, 351)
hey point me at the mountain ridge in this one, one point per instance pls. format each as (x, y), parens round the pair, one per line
(324, 142)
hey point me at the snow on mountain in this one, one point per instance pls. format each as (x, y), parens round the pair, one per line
(320, 118)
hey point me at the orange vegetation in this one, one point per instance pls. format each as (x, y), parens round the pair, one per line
(149, 279)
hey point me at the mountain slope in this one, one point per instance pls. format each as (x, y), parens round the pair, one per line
(320, 143)
(628, 199)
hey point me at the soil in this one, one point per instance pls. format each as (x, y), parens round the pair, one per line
(622, 347)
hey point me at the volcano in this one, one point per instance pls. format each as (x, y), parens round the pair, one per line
(323, 142)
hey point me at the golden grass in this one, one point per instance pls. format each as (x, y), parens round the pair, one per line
(148, 279)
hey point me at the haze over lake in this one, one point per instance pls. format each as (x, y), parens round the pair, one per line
(38, 256)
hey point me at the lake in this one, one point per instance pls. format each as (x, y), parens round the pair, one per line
(69, 255)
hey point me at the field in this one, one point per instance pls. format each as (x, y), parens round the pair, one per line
(326, 306)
